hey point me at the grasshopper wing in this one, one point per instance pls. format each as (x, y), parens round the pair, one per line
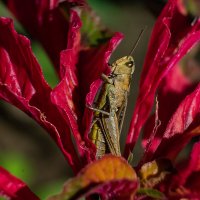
(111, 131)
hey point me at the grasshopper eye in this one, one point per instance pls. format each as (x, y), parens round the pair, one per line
(129, 64)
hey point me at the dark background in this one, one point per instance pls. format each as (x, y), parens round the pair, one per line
(26, 150)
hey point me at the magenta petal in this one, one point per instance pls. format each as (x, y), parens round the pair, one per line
(168, 44)
(60, 97)
(188, 175)
(172, 90)
(22, 84)
(46, 21)
(13, 188)
(68, 69)
(118, 190)
(65, 95)
(191, 166)
(177, 133)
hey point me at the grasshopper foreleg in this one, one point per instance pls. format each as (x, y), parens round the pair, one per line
(106, 79)
(98, 110)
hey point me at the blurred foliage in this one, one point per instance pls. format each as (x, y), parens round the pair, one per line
(192, 7)
(19, 165)
(151, 193)
(50, 189)
(109, 9)
(4, 12)
(47, 67)
(92, 32)
(155, 6)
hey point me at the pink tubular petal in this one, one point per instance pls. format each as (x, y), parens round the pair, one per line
(47, 21)
(22, 84)
(168, 44)
(13, 188)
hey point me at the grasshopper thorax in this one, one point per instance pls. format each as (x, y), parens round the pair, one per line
(124, 65)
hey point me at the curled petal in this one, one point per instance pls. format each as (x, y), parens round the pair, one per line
(110, 176)
(47, 21)
(22, 84)
(13, 188)
(183, 125)
(172, 90)
(66, 94)
(168, 44)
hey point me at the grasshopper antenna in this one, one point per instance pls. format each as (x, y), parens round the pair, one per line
(137, 41)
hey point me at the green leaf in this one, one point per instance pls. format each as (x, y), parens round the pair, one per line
(47, 67)
(93, 32)
(152, 173)
(149, 192)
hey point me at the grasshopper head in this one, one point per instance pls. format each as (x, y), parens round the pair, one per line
(124, 65)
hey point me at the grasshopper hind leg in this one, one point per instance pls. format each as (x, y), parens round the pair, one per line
(98, 139)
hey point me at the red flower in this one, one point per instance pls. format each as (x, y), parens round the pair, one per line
(61, 111)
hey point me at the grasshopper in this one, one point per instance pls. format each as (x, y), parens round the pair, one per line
(111, 106)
